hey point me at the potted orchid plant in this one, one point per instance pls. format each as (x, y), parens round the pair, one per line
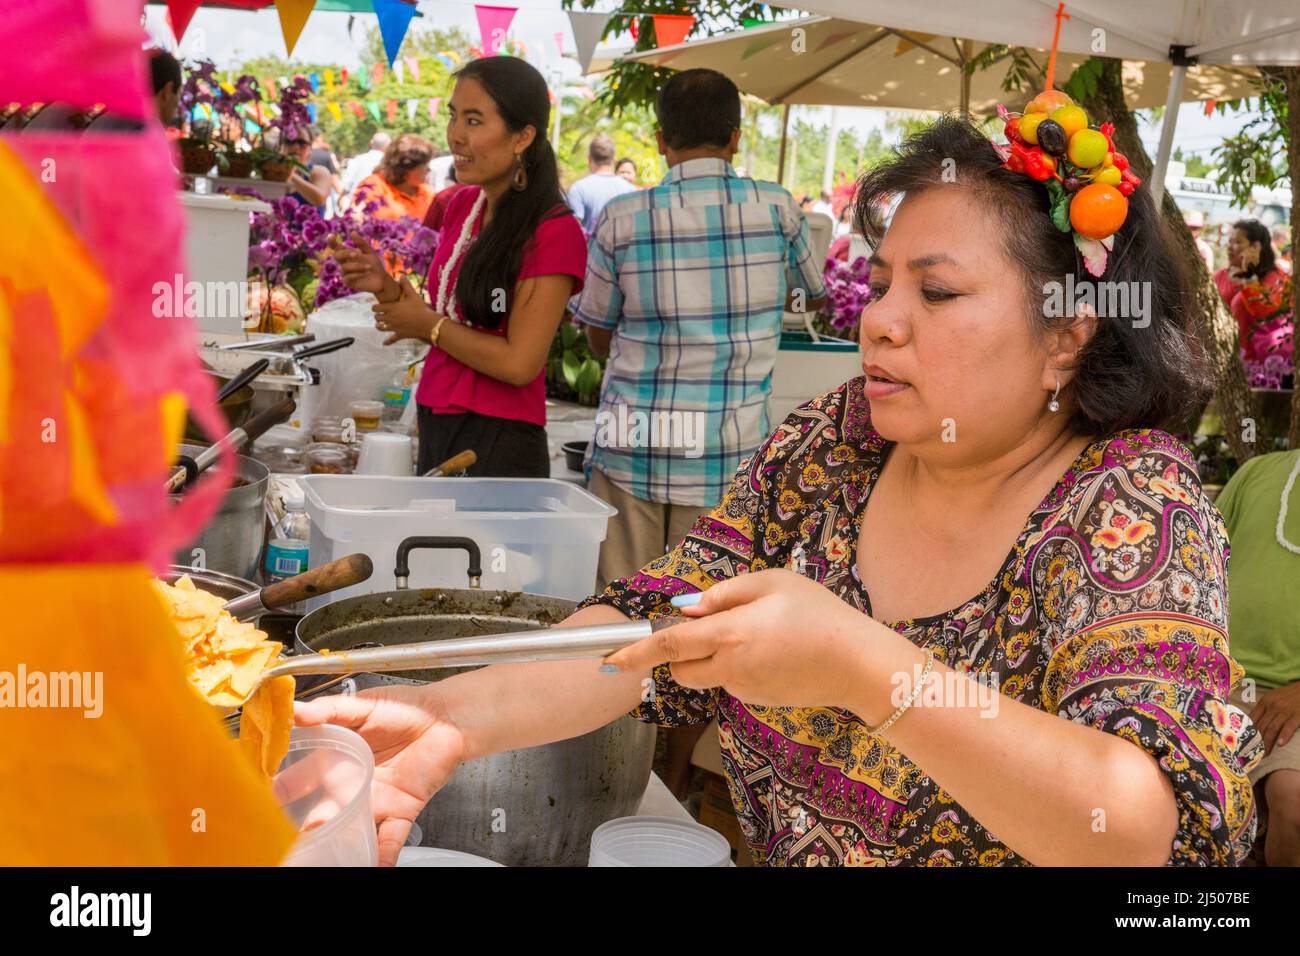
(232, 160)
(198, 150)
(289, 258)
(293, 121)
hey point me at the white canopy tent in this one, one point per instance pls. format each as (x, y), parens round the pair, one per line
(1183, 33)
(826, 61)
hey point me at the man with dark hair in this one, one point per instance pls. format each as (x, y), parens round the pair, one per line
(165, 72)
(686, 283)
(587, 197)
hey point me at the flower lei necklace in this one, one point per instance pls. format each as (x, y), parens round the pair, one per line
(443, 303)
(1281, 513)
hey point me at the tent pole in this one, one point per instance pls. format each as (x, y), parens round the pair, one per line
(785, 130)
(965, 78)
(1177, 80)
(832, 141)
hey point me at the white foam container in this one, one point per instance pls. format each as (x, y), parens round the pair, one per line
(536, 535)
(657, 841)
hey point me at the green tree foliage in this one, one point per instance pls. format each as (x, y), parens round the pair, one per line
(1257, 155)
(635, 84)
(350, 135)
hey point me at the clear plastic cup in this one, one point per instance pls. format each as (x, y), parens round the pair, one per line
(366, 415)
(657, 841)
(323, 785)
(327, 458)
(431, 856)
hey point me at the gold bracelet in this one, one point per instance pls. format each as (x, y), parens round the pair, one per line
(437, 327)
(912, 698)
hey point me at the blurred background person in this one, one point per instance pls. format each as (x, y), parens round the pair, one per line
(399, 183)
(1195, 222)
(438, 208)
(322, 155)
(588, 196)
(363, 164)
(1282, 246)
(626, 167)
(1253, 288)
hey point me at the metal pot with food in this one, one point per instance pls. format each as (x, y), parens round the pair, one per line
(552, 796)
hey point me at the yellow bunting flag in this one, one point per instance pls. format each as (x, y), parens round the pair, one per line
(335, 111)
(293, 17)
(329, 81)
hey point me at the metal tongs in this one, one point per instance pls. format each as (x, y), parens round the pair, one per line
(513, 647)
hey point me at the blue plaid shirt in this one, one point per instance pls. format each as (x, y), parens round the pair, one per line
(692, 277)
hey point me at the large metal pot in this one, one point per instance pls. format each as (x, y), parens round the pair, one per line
(533, 807)
(232, 541)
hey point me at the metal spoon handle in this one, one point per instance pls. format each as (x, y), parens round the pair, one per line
(515, 647)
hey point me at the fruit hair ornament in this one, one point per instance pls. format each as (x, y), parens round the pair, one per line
(1088, 180)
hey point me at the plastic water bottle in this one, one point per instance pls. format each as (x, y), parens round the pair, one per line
(398, 391)
(287, 552)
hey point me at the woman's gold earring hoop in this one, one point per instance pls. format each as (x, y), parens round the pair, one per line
(1054, 405)
(519, 181)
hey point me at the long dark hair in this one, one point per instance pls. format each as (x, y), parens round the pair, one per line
(1128, 375)
(1256, 231)
(493, 261)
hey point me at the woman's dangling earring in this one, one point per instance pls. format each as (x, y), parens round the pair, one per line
(1054, 405)
(519, 181)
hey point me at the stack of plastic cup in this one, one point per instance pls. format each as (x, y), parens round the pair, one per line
(324, 787)
(385, 453)
(657, 841)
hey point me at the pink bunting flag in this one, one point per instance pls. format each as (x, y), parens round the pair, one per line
(493, 22)
(559, 42)
(433, 107)
(413, 65)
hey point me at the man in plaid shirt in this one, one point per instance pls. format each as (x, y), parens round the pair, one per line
(686, 283)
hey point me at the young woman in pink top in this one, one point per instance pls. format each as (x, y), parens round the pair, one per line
(510, 255)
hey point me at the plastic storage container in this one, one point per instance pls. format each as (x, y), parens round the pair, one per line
(323, 785)
(535, 534)
(657, 841)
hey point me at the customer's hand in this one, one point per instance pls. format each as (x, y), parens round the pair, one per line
(1277, 716)
(417, 748)
(408, 318)
(774, 638)
(363, 269)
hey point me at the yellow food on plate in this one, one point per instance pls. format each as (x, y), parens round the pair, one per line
(224, 658)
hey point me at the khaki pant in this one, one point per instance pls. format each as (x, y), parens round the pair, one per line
(1281, 758)
(641, 531)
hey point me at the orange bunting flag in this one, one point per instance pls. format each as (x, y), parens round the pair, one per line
(293, 17)
(671, 30)
(391, 106)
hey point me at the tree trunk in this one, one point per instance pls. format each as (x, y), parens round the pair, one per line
(1218, 330)
(1291, 76)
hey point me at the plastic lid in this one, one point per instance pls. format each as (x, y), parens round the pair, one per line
(295, 499)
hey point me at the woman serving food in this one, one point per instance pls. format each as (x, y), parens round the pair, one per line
(969, 608)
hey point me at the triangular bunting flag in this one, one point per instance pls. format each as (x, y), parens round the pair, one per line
(311, 112)
(394, 20)
(181, 13)
(559, 42)
(356, 109)
(1209, 106)
(413, 65)
(293, 17)
(343, 75)
(399, 71)
(433, 107)
(377, 71)
(391, 106)
(373, 106)
(329, 81)
(411, 107)
(335, 111)
(671, 29)
(493, 22)
(588, 28)
(314, 78)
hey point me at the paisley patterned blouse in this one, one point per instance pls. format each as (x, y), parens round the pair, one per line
(1111, 611)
